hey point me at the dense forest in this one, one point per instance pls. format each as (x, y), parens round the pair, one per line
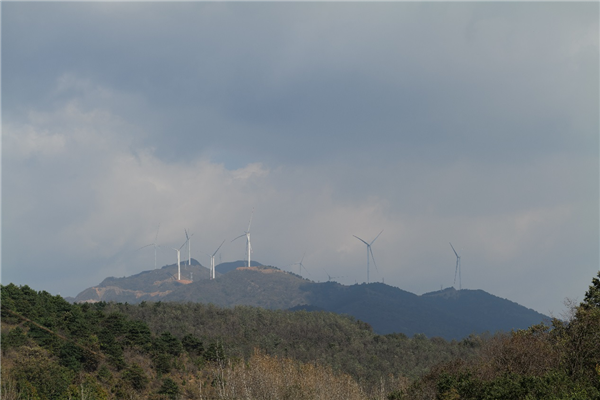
(52, 349)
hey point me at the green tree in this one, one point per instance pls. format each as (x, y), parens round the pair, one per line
(15, 338)
(215, 352)
(138, 334)
(104, 374)
(192, 344)
(113, 349)
(170, 388)
(136, 377)
(116, 323)
(71, 356)
(592, 296)
(162, 363)
(167, 343)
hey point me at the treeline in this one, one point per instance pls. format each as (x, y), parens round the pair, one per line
(55, 350)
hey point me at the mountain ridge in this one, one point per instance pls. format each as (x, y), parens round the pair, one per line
(448, 313)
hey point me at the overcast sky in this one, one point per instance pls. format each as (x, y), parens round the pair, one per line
(470, 123)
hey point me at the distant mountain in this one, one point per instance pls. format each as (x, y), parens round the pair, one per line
(481, 311)
(449, 313)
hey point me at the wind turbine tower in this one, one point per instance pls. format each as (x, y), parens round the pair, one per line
(179, 260)
(300, 265)
(369, 252)
(189, 244)
(247, 234)
(212, 261)
(457, 270)
(153, 244)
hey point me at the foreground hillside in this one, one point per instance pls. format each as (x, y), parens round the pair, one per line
(55, 350)
(450, 314)
(153, 349)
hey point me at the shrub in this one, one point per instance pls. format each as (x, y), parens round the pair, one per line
(136, 377)
(169, 388)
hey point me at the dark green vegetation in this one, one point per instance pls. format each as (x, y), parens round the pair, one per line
(342, 342)
(120, 349)
(55, 350)
(450, 313)
(557, 361)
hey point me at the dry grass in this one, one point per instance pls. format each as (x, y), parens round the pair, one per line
(271, 378)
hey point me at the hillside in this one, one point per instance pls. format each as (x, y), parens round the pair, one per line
(481, 311)
(256, 286)
(449, 313)
(226, 267)
(166, 350)
(129, 351)
(152, 285)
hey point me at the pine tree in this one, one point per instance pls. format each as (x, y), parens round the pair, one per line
(592, 296)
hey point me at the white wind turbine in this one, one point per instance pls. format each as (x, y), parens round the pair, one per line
(457, 270)
(247, 234)
(212, 261)
(300, 265)
(179, 260)
(369, 252)
(153, 244)
(189, 244)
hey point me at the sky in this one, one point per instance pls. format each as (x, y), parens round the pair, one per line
(475, 124)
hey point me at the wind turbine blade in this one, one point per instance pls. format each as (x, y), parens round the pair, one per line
(302, 259)
(186, 234)
(373, 258)
(453, 249)
(218, 248)
(250, 223)
(302, 266)
(361, 240)
(376, 238)
(242, 235)
(143, 247)
(184, 243)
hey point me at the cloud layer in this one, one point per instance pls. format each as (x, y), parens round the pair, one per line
(475, 124)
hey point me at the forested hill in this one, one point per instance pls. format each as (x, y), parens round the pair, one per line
(450, 313)
(52, 349)
(56, 350)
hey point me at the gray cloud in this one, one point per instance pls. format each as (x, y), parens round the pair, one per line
(470, 123)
